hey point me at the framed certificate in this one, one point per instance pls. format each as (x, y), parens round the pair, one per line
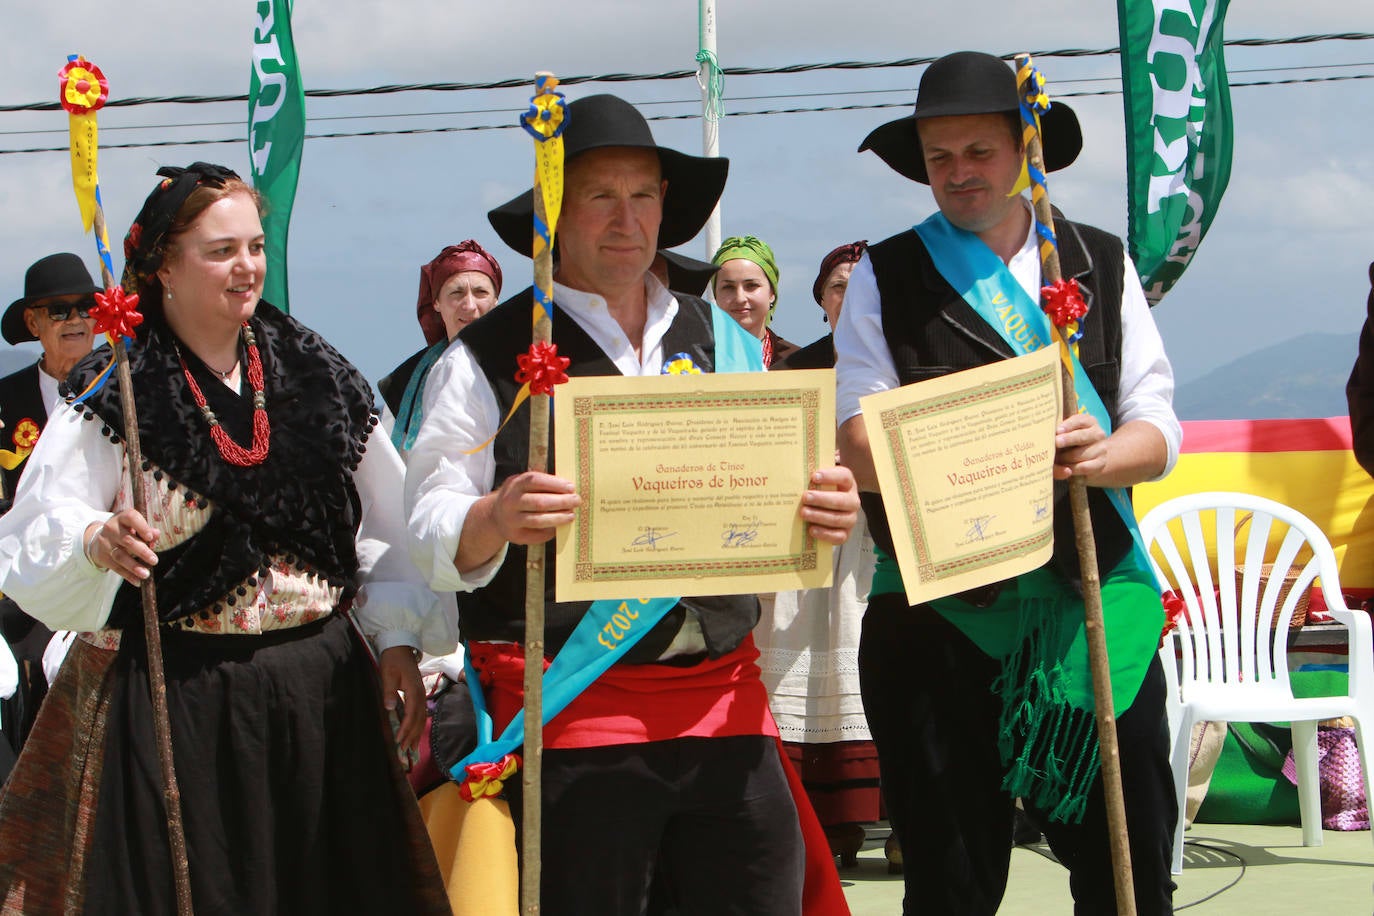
(965, 465)
(691, 484)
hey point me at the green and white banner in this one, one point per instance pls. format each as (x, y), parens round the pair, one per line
(276, 134)
(1178, 131)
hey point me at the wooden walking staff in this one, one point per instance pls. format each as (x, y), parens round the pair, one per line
(539, 370)
(83, 90)
(1030, 86)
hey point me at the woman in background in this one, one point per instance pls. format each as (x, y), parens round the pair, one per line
(746, 286)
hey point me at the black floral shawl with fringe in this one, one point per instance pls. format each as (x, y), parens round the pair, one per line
(300, 503)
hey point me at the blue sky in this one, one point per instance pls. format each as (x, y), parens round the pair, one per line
(1287, 255)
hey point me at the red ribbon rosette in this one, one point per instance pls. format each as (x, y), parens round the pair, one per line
(486, 779)
(82, 88)
(1175, 609)
(116, 314)
(542, 368)
(1063, 302)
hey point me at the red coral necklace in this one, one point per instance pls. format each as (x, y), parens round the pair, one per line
(230, 450)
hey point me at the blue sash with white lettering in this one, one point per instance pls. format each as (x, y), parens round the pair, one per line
(609, 628)
(985, 283)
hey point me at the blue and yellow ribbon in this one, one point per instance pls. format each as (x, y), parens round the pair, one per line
(1034, 102)
(545, 121)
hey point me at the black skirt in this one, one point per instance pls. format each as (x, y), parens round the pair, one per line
(291, 795)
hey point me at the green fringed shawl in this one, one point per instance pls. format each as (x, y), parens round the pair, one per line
(1047, 731)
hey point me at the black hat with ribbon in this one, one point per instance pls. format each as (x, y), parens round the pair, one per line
(969, 83)
(695, 183)
(62, 274)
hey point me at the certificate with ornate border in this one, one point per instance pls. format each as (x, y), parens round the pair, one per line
(965, 465)
(691, 484)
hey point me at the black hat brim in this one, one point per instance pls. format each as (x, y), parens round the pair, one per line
(899, 144)
(13, 327)
(695, 184)
(688, 275)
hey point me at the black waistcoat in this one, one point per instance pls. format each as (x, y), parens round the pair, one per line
(20, 399)
(932, 331)
(496, 612)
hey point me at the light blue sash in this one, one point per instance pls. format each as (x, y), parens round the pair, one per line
(411, 412)
(985, 283)
(609, 628)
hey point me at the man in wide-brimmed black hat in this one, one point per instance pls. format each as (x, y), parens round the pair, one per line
(55, 311)
(647, 777)
(983, 697)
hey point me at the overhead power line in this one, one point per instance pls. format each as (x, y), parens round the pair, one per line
(136, 101)
(665, 117)
(694, 100)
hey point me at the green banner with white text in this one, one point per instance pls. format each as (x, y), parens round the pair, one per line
(276, 134)
(1178, 131)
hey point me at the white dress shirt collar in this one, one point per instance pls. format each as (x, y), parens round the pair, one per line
(591, 314)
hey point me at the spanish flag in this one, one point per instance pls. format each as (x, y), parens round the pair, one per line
(1306, 464)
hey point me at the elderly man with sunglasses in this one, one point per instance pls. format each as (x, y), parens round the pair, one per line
(55, 311)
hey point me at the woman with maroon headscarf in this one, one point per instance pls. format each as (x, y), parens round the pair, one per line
(459, 286)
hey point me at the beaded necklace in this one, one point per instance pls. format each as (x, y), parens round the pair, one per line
(230, 450)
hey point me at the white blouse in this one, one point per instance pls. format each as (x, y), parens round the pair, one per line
(76, 476)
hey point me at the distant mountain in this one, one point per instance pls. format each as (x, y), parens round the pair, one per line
(1301, 377)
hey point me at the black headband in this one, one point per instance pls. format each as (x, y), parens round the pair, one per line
(143, 243)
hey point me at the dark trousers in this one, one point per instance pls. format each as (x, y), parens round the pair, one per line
(710, 822)
(926, 692)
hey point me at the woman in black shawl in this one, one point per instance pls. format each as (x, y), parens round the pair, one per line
(271, 511)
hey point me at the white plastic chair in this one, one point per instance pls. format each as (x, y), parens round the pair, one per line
(1234, 652)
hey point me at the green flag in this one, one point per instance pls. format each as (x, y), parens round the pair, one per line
(276, 134)
(1178, 131)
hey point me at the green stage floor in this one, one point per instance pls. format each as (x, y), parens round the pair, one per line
(1227, 869)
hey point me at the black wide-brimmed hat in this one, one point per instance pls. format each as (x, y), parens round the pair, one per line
(969, 83)
(686, 274)
(62, 274)
(695, 183)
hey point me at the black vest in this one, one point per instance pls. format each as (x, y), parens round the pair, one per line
(496, 612)
(20, 399)
(932, 331)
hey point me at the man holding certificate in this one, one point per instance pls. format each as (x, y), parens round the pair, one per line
(664, 769)
(985, 696)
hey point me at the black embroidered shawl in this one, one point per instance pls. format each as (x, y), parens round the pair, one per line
(300, 502)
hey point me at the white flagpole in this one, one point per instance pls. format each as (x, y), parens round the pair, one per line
(710, 119)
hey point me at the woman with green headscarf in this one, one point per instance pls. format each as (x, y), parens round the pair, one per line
(747, 287)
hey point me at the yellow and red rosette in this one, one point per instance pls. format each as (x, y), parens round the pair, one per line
(25, 438)
(26, 433)
(83, 88)
(485, 780)
(82, 91)
(116, 314)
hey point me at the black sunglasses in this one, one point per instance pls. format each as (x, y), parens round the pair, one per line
(61, 312)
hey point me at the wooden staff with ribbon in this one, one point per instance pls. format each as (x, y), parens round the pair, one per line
(540, 368)
(83, 90)
(1066, 307)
